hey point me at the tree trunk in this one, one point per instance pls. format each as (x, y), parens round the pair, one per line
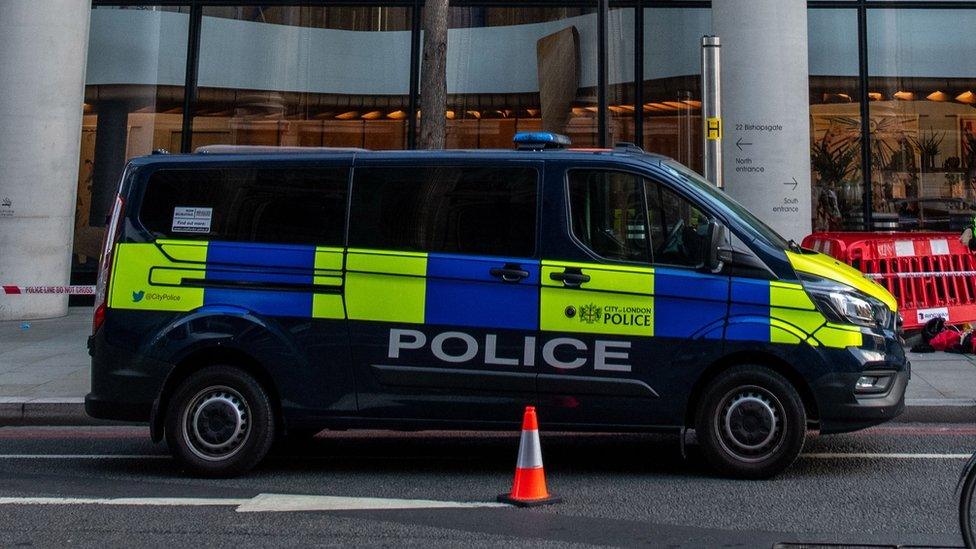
(433, 77)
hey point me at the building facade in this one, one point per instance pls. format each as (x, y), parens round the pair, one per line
(882, 94)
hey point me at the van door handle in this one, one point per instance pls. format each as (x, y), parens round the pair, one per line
(509, 273)
(572, 278)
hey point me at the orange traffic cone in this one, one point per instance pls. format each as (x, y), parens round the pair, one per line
(529, 488)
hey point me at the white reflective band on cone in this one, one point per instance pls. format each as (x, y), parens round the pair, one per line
(530, 452)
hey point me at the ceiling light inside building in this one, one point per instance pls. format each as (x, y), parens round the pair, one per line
(967, 97)
(397, 115)
(372, 115)
(875, 96)
(938, 95)
(904, 96)
(837, 98)
(348, 115)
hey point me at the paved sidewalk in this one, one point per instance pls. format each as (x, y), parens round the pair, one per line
(44, 375)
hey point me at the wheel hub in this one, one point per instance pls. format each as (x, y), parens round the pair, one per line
(751, 421)
(217, 423)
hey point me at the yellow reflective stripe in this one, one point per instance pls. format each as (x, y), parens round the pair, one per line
(832, 269)
(789, 295)
(784, 332)
(593, 312)
(386, 286)
(793, 316)
(617, 300)
(382, 261)
(142, 274)
(328, 272)
(838, 336)
(608, 278)
(189, 251)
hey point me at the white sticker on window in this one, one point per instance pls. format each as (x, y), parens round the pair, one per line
(191, 219)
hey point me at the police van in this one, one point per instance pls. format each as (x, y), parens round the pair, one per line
(250, 293)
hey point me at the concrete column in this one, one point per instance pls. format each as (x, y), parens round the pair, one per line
(43, 50)
(766, 109)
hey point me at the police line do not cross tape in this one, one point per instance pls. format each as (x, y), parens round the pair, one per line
(9, 289)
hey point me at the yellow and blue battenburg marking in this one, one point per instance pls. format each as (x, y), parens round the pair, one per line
(459, 290)
(781, 312)
(280, 280)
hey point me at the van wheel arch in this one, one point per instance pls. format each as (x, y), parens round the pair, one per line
(200, 359)
(772, 362)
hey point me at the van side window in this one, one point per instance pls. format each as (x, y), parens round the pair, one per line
(272, 205)
(449, 209)
(678, 228)
(608, 214)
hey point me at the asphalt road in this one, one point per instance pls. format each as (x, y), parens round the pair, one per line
(888, 485)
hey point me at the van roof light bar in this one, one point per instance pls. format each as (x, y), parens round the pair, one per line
(537, 141)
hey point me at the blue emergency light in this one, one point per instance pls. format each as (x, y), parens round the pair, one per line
(537, 141)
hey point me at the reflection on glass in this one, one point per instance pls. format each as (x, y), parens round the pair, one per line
(672, 83)
(525, 69)
(923, 122)
(133, 105)
(835, 121)
(303, 76)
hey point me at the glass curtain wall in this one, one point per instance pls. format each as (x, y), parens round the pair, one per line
(922, 79)
(835, 120)
(134, 89)
(306, 75)
(520, 69)
(671, 88)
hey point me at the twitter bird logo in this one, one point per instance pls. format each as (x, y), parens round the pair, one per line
(137, 296)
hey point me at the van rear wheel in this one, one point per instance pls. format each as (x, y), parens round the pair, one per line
(219, 422)
(750, 423)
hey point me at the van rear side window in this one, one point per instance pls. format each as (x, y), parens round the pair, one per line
(285, 205)
(449, 209)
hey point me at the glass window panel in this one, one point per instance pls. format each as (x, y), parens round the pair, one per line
(672, 82)
(922, 79)
(273, 205)
(529, 69)
(303, 76)
(608, 214)
(133, 104)
(835, 121)
(679, 229)
(466, 210)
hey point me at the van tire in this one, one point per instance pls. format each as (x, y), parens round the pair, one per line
(220, 422)
(750, 423)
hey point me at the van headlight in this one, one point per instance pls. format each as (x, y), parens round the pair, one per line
(843, 304)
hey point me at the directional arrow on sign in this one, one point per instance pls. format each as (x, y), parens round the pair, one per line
(739, 143)
(794, 183)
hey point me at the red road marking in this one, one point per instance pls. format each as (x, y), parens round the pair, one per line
(53, 433)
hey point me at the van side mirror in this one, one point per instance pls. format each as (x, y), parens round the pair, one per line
(718, 252)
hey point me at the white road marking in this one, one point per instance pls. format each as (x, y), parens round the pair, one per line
(84, 456)
(297, 502)
(165, 502)
(865, 455)
(263, 503)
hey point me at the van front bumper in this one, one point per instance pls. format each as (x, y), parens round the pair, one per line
(844, 406)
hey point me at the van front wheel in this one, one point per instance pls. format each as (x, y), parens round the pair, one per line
(750, 423)
(219, 422)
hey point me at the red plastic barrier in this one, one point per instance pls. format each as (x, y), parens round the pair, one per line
(930, 274)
